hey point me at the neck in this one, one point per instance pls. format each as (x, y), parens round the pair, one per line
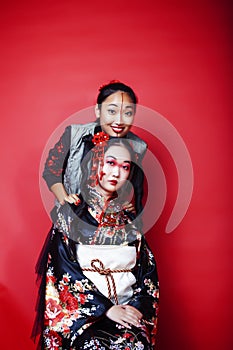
(107, 195)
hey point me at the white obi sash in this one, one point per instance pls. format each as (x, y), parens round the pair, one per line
(102, 260)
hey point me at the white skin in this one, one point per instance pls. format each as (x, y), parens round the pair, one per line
(115, 172)
(116, 118)
(116, 114)
(116, 169)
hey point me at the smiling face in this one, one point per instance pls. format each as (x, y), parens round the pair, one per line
(116, 114)
(115, 171)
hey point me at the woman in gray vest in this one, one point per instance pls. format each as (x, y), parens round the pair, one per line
(115, 111)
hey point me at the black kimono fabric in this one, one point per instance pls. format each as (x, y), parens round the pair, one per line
(74, 312)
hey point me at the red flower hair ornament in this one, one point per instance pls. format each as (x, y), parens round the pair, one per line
(99, 140)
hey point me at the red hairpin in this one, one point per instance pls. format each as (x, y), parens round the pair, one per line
(99, 140)
(100, 137)
(114, 81)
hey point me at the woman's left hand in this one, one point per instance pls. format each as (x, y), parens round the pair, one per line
(127, 206)
(125, 315)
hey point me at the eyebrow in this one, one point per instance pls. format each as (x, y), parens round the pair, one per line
(124, 161)
(114, 105)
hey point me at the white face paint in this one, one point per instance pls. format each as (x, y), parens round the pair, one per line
(115, 171)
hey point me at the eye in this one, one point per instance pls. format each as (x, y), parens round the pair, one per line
(126, 167)
(111, 162)
(111, 111)
(129, 114)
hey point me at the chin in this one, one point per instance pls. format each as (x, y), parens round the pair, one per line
(120, 134)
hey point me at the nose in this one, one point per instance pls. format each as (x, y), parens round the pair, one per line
(116, 171)
(118, 119)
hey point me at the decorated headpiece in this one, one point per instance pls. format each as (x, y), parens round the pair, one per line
(99, 140)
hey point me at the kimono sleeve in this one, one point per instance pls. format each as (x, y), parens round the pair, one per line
(57, 159)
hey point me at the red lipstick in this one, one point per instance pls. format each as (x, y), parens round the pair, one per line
(113, 182)
(117, 129)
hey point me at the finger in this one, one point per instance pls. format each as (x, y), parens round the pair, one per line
(125, 324)
(134, 313)
(76, 199)
(72, 199)
(135, 321)
(132, 309)
(129, 207)
(68, 199)
(73, 195)
(129, 307)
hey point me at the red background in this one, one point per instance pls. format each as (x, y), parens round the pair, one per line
(177, 56)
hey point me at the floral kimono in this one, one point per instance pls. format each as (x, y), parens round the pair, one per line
(80, 284)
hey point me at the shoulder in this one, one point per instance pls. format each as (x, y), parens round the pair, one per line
(83, 128)
(80, 130)
(139, 145)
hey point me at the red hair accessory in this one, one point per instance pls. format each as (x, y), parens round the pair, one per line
(111, 82)
(101, 175)
(99, 140)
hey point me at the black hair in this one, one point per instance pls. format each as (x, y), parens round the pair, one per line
(111, 88)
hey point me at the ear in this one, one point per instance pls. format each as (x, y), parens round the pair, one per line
(97, 111)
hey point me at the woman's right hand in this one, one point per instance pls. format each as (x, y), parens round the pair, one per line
(125, 315)
(62, 196)
(72, 199)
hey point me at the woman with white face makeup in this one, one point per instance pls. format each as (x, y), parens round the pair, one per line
(115, 171)
(100, 286)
